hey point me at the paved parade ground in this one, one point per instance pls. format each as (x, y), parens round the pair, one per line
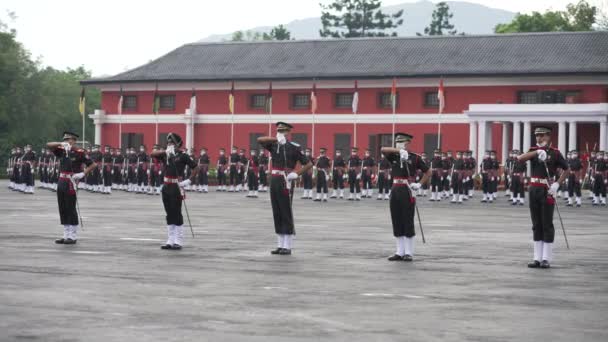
(468, 283)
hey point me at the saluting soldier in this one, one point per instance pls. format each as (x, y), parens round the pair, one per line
(307, 176)
(384, 178)
(71, 159)
(203, 171)
(323, 174)
(354, 175)
(436, 173)
(403, 202)
(253, 164)
(221, 165)
(285, 155)
(519, 180)
(542, 191)
(338, 174)
(368, 174)
(173, 193)
(106, 170)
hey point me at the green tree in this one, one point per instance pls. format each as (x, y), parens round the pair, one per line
(440, 21)
(277, 33)
(577, 17)
(240, 36)
(357, 18)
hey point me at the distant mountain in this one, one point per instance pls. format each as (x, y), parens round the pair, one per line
(468, 17)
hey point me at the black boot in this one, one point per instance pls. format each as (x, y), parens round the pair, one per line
(395, 257)
(167, 246)
(60, 241)
(545, 264)
(534, 264)
(408, 257)
(176, 247)
(276, 251)
(69, 242)
(285, 251)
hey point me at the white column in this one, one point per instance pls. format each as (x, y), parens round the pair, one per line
(505, 142)
(517, 135)
(481, 140)
(561, 137)
(489, 134)
(473, 137)
(189, 130)
(572, 137)
(603, 128)
(527, 143)
(98, 123)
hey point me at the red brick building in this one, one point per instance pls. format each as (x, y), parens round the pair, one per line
(497, 88)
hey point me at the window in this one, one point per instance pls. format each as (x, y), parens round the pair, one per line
(129, 102)
(344, 100)
(253, 141)
(527, 97)
(132, 140)
(167, 101)
(385, 100)
(430, 99)
(301, 139)
(300, 101)
(549, 96)
(162, 138)
(430, 143)
(258, 101)
(342, 142)
(373, 146)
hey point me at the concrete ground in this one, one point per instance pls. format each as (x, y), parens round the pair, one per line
(469, 282)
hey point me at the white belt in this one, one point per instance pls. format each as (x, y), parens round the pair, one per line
(400, 181)
(278, 172)
(171, 180)
(539, 180)
(65, 175)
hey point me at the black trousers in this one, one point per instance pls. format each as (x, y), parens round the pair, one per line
(221, 177)
(252, 180)
(457, 184)
(66, 199)
(489, 186)
(203, 176)
(541, 211)
(366, 178)
(574, 186)
(599, 188)
(384, 184)
(107, 176)
(321, 181)
(263, 177)
(307, 180)
(281, 206)
(156, 180)
(132, 176)
(117, 177)
(353, 182)
(445, 183)
(338, 180)
(26, 175)
(435, 182)
(233, 175)
(517, 186)
(142, 177)
(240, 176)
(172, 201)
(403, 207)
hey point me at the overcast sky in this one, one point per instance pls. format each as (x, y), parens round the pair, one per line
(112, 36)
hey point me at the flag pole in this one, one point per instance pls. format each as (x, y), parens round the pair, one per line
(394, 105)
(355, 106)
(441, 99)
(231, 107)
(83, 132)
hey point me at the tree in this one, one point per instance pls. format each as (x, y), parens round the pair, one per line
(577, 17)
(277, 33)
(440, 21)
(357, 18)
(240, 36)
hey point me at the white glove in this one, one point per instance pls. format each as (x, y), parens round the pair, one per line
(148, 172)
(292, 176)
(78, 176)
(327, 178)
(542, 155)
(66, 146)
(185, 183)
(554, 188)
(403, 154)
(415, 186)
(449, 178)
(160, 173)
(525, 180)
(281, 138)
(345, 177)
(358, 176)
(389, 176)
(493, 179)
(170, 150)
(112, 172)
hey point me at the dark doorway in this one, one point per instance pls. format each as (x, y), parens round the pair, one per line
(342, 142)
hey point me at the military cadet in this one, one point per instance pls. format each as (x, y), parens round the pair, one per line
(599, 178)
(221, 165)
(71, 159)
(425, 187)
(48, 168)
(173, 193)
(471, 169)
(96, 156)
(518, 179)
(131, 160)
(106, 170)
(28, 165)
(143, 171)
(592, 160)
(39, 167)
(338, 174)
(19, 185)
(156, 172)
(436, 174)
(263, 172)
(384, 178)
(404, 165)
(544, 162)
(574, 179)
(10, 168)
(354, 175)
(117, 167)
(242, 175)
(489, 171)
(307, 176)
(323, 174)
(203, 173)
(232, 172)
(253, 165)
(457, 177)
(448, 162)
(368, 174)
(507, 173)
(284, 155)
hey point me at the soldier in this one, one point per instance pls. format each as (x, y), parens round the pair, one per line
(323, 174)
(175, 160)
(384, 178)
(96, 156)
(599, 178)
(507, 173)
(471, 169)
(142, 170)
(447, 179)
(354, 175)
(53, 170)
(203, 173)
(542, 193)
(457, 177)
(518, 179)
(131, 170)
(28, 165)
(253, 165)
(574, 179)
(156, 172)
(232, 172)
(71, 159)
(40, 167)
(263, 172)
(338, 174)
(19, 185)
(117, 167)
(436, 173)
(590, 172)
(9, 168)
(425, 187)
(222, 162)
(368, 174)
(404, 165)
(284, 155)
(106, 170)
(307, 176)
(242, 172)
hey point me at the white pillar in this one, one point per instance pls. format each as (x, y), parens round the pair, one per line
(189, 130)
(473, 137)
(98, 123)
(603, 128)
(481, 141)
(489, 140)
(505, 142)
(561, 137)
(572, 137)
(527, 143)
(517, 135)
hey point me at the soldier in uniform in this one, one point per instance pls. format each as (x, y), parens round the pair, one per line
(10, 168)
(354, 175)
(404, 165)
(471, 167)
(156, 172)
(232, 172)
(338, 174)
(458, 167)
(508, 173)
(263, 172)
(518, 179)
(132, 170)
(307, 176)
(40, 167)
(436, 173)
(384, 178)
(323, 174)
(253, 165)
(222, 162)
(574, 179)
(118, 161)
(53, 171)
(173, 193)
(28, 165)
(367, 174)
(96, 180)
(423, 191)
(599, 178)
(203, 173)
(19, 185)
(542, 193)
(448, 161)
(71, 160)
(284, 155)
(142, 170)
(488, 177)
(106, 170)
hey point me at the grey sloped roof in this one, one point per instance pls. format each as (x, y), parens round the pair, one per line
(508, 54)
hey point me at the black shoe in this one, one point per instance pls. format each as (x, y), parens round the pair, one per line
(167, 246)
(276, 251)
(408, 258)
(395, 257)
(578, 205)
(60, 241)
(176, 247)
(545, 264)
(69, 242)
(534, 264)
(569, 205)
(317, 200)
(521, 203)
(325, 200)
(285, 251)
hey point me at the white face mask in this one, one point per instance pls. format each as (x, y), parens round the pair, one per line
(222, 153)
(400, 145)
(281, 138)
(203, 153)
